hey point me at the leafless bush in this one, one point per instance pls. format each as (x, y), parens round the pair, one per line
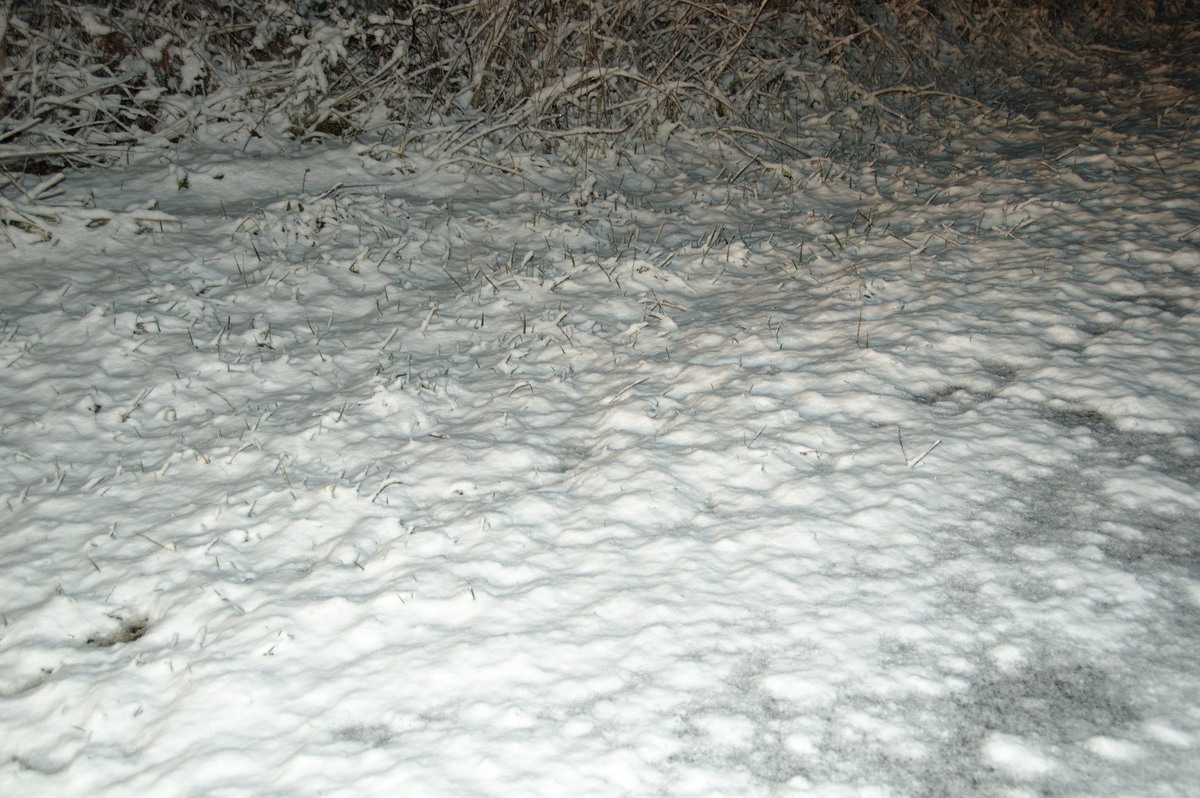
(82, 82)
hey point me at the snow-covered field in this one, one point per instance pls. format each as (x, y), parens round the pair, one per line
(333, 470)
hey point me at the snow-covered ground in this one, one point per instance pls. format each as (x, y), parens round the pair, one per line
(333, 470)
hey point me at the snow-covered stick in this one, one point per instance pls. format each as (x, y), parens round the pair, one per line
(433, 308)
(914, 463)
(20, 154)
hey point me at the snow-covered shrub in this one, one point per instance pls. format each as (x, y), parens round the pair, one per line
(83, 83)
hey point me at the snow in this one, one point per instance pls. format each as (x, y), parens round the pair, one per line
(331, 471)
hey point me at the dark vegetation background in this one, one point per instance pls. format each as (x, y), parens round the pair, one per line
(82, 84)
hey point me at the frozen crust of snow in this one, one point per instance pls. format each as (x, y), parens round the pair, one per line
(333, 475)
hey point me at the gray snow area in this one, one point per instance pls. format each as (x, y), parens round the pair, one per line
(653, 471)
